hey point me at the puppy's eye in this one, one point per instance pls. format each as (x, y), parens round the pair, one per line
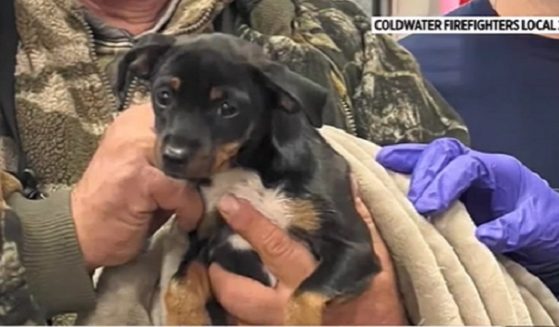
(163, 98)
(227, 110)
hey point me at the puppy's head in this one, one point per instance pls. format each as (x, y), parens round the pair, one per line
(212, 95)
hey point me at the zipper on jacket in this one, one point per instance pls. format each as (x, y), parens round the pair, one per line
(350, 119)
(128, 94)
(204, 19)
(345, 106)
(91, 47)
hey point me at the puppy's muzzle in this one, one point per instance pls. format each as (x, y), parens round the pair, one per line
(184, 162)
(175, 155)
(174, 160)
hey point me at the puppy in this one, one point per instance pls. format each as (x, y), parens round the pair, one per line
(232, 121)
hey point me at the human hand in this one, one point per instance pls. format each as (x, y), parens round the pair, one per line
(253, 303)
(516, 211)
(122, 197)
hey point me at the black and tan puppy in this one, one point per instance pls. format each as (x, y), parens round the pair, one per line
(232, 121)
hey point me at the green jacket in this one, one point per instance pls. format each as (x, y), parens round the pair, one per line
(64, 101)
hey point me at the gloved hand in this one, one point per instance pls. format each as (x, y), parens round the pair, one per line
(516, 211)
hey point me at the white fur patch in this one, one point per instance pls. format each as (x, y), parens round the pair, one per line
(245, 184)
(241, 183)
(239, 243)
(273, 279)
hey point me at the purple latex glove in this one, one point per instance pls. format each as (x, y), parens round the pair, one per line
(516, 211)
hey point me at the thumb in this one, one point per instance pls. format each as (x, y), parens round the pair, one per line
(175, 196)
(510, 232)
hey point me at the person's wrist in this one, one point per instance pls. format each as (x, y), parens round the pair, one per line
(92, 256)
(51, 254)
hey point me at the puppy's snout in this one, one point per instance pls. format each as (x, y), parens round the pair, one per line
(174, 154)
(183, 157)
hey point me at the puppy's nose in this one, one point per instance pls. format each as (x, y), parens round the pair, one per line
(175, 154)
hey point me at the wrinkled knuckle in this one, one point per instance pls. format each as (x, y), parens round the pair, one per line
(148, 173)
(276, 243)
(150, 178)
(123, 177)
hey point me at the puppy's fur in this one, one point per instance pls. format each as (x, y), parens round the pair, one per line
(232, 121)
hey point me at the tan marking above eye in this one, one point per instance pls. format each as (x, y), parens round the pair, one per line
(175, 83)
(216, 93)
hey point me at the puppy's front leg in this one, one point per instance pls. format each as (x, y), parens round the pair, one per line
(187, 295)
(344, 271)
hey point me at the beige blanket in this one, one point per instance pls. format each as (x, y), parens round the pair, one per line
(446, 276)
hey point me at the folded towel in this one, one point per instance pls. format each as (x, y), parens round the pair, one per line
(446, 276)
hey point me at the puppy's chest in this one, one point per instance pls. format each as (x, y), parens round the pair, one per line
(274, 204)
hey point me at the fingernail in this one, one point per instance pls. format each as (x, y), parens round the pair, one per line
(228, 205)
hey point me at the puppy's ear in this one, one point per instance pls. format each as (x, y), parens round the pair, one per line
(141, 59)
(295, 92)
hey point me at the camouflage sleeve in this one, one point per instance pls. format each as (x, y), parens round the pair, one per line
(8, 151)
(379, 92)
(17, 306)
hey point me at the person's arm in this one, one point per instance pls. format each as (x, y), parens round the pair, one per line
(55, 270)
(41, 267)
(17, 307)
(49, 246)
(371, 76)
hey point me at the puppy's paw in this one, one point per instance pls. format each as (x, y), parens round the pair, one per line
(9, 185)
(305, 309)
(186, 297)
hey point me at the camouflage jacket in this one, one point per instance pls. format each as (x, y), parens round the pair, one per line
(64, 101)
